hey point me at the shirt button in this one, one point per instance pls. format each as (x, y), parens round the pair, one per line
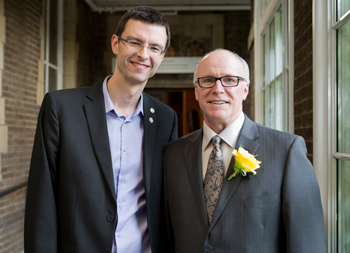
(110, 217)
(125, 150)
(208, 248)
(118, 235)
(120, 207)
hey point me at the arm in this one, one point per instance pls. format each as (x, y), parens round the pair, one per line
(301, 203)
(40, 231)
(169, 229)
(169, 246)
(174, 132)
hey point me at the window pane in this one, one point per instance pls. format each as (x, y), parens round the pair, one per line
(344, 206)
(344, 88)
(286, 45)
(279, 104)
(265, 61)
(272, 53)
(279, 43)
(274, 70)
(272, 107)
(343, 6)
(343, 66)
(265, 97)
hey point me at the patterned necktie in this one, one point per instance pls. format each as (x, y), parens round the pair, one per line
(214, 178)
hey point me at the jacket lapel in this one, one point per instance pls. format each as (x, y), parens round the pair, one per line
(150, 134)
(96, 119)
(193, 161)
(248, 139)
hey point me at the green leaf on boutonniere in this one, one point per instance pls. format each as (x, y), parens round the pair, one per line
(244, 163)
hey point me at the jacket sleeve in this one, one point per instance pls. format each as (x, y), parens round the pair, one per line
(174, 132)
(40, 231)
(169, 229)
(301, 204)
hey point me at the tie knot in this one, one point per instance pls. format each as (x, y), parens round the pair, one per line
(216, 141)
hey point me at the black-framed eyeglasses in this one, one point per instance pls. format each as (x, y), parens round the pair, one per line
(226, 81)
(138, 45)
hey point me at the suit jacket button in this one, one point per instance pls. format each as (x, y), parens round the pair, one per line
(110, 217)
(208, 248)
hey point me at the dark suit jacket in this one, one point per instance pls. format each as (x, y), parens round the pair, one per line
(71, 202)
(277, 210)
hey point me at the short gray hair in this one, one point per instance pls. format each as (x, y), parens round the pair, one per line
(244, 63)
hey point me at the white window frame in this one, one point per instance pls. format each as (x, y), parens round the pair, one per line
(261, 23)
(325, 156)
(336, 156)
(48, 65)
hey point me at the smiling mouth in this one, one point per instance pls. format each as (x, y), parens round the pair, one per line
(139, 65)
(217, 102)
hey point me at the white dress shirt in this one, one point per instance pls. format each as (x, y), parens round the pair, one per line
(229, 137)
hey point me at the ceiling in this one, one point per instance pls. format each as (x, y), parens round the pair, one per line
(170, 5)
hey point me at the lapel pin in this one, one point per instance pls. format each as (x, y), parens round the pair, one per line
(151, 119)
(152, 110)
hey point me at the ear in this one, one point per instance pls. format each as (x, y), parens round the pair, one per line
(195, 91)
(245, 91)
(114, 44)
(162, 57)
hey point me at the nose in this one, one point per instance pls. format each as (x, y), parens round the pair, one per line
(218, 87)
(142, 53)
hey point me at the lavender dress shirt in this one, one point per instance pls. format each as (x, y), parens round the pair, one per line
(125, 139)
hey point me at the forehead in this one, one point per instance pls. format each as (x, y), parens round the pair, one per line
(144, 31)
(219, 64)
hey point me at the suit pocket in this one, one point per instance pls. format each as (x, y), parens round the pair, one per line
(261, 200)
(65, 247)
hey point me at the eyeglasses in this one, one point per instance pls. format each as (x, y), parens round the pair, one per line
(138, 45)
(226, 81)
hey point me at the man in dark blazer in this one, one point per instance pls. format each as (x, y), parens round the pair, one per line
(278, 209)
(84, 168)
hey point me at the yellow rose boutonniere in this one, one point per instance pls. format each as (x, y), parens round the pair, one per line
(244, 163)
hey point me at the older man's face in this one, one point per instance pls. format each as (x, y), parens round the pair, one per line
(221, 105)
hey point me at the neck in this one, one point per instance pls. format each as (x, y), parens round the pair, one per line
(218, 126)
(124, 96)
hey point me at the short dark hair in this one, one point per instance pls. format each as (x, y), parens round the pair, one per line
(144, 14)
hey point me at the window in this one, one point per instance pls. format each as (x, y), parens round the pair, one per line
(342, 27)
(54, 45)
(272, 55)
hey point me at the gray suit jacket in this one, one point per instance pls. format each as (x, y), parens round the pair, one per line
(277, 210)
(71, 202)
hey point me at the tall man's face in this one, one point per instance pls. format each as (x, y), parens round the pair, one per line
(221, 105)
(136, 65)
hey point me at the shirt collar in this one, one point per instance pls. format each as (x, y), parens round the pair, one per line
(109, 106)
(229, 134)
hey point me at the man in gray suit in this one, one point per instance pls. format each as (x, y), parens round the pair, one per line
(96, 175)
(274, 208)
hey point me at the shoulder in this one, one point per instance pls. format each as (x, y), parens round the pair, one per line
(269, 137)
(67, 93)
(73, 96)
(276, 135)
(186, 140)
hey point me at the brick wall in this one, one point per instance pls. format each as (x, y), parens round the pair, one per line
(303, 71)
(19, 87)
